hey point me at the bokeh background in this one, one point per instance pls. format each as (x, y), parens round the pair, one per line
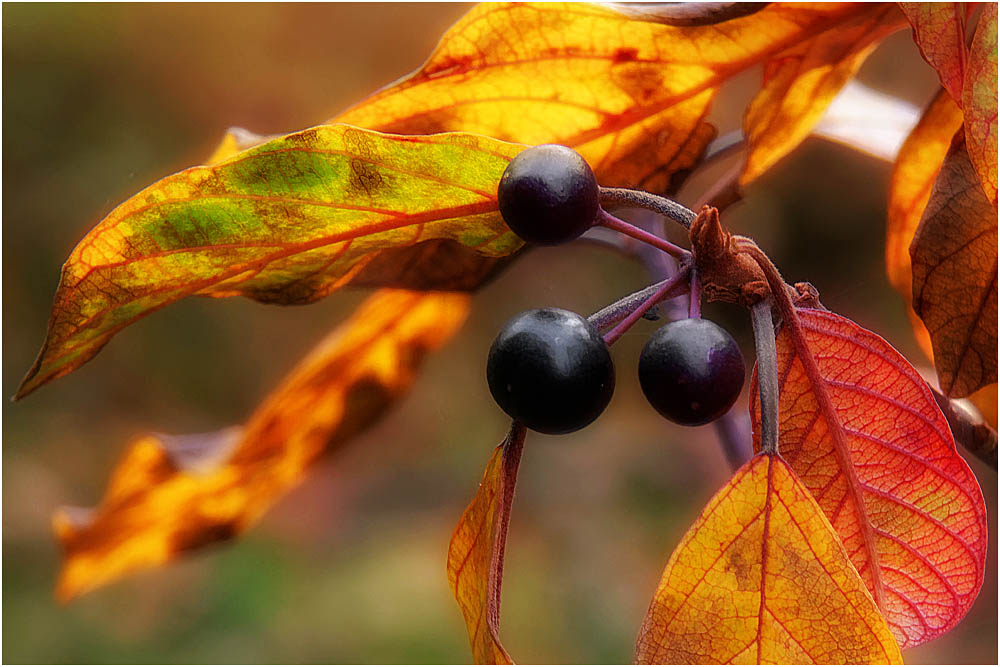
(101, 100)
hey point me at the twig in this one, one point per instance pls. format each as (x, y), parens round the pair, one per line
(767, 375)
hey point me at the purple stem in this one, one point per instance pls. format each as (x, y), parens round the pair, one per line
(605, 219)
(662, 293)
(694, 308)
(733, 429)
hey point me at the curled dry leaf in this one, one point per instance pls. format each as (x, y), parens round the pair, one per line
(476, 551)
(170, 495)
(800, 82)
(954, 258)
(860, 428)
(979, 99)
(630, 95)
(939, 31)
(913, 177)
(762, 578)
(287, 221)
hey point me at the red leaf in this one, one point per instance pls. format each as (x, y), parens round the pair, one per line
(939, 31)
(862, 431)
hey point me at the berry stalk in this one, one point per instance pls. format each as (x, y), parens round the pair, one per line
(668, 208)
(662, 293)
(694, 303)
(605, 219)
(614, 313)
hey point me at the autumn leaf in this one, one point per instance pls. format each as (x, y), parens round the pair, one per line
(629, 94)
(954, 257)
(800, 82)
(979, 99)
(287, 221)
(985, 400)
(476, 551)
(939, 31)
(860, 428)
(171, 494)
(762, 578)
(913, 177)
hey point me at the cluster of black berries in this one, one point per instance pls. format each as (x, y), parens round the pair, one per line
(550, 368)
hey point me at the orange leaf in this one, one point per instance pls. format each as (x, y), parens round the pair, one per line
(979, 99)
(630, 95)
(170, 494)
(913, 177)
(862, 431)
(939, 31)
(475, 554)
(985, 401)
(954, 256)
(287, 221)
(762, 578)
(800, 83)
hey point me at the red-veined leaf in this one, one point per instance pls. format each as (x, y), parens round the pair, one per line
(629, 94)
(939, 31)
(861, 429)
(800, 82)
(979, 99)
(762, 578)
(913, 177)
(954, 257)
(476, 551)
(169, 495)
(287, 221)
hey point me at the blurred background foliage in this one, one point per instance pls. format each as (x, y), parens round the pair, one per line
(100, 101)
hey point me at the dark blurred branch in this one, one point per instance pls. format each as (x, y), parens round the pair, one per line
(977, 437)
(733, 431)
(687, 14)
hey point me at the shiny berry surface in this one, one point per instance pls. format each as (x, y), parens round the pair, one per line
(550, 369)
(691, 371)
(548, 195)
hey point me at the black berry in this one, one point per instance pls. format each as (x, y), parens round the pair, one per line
(550, 369)
(548, 195)
(691, 371)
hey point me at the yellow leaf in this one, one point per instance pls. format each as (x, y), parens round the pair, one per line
(476, 551)
(630, 95)
(169, 495)
(800, 83)
(917, 167)
(761, 577)
(287, 221)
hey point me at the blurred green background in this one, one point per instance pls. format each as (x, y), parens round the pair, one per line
(100, 101)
